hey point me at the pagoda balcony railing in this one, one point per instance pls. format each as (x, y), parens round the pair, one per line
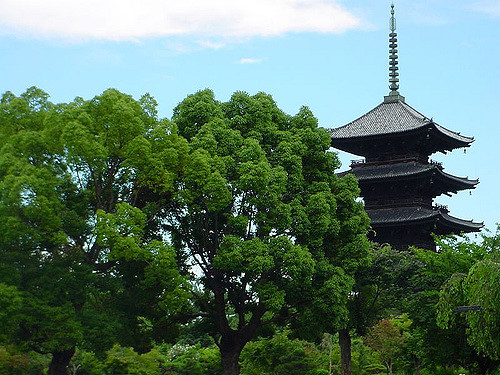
(398, 159)
(405, 202)
(397, 202)
(389, 159)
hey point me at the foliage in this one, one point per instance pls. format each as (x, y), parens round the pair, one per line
(79, 226)
(364, 361)
(477, 287)
(260, 213)
(192, 359)
(162, 359)
(382, 287)
(121, 231)
(15, 362)
(86, 363)
(280, 355)
(10, 307)
(90, 192)
(482, 288)
(408, 282)
(122, 360)
(432, 345)
(387, 340)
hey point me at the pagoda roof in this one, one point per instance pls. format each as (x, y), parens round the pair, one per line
(392, 117)
(415, 214)
(408, 170)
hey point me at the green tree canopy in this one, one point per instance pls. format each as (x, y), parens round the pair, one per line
(92, 194)
(269, 232)
(79, 226)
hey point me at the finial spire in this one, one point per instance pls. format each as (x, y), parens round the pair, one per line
(393, 19)
(393, 61)
(393, 56)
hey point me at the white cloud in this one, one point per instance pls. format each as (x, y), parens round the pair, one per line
(491, 8)
(134, 19)
(211, 44)
(249, 60)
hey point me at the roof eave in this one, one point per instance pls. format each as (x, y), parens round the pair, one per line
(456, 137)
(439, 217)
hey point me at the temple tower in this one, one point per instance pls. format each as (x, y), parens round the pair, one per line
(397, 179)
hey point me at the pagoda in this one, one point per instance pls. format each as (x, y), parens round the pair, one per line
(397, 179)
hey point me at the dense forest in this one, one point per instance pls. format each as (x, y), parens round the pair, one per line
(220, 241)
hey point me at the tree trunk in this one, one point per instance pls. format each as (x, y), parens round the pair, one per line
(416, 364)
(486, 364)
(345, 351)
(230, 347)
(230, 359)
(60, 362)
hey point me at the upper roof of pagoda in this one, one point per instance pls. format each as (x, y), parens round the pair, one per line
(394, 117)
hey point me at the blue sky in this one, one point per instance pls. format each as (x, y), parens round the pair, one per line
(331, 55)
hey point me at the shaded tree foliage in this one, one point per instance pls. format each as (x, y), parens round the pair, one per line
(477, 286)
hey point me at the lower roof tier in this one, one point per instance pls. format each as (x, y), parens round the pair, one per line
(402, 216)
(431, 174)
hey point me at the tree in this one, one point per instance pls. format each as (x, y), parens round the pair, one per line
(270, 233)
(379, 291)
(387, 340)
(408, 282)
(477, 287)
(93, 192)
(79, 225)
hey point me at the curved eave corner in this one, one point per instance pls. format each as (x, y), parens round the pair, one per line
(455, 137)
(464, 181)
(467, 225)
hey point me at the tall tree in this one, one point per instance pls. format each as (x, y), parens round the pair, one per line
(78, 229)
(269, 232)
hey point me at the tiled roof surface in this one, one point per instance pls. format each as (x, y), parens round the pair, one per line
(389, 170)
(412, 214)
(373, 172)
(387, 118)
(400, 214)
(384, 118)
